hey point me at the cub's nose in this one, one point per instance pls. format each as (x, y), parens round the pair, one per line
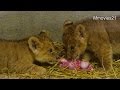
(69, 58)
(75, 57)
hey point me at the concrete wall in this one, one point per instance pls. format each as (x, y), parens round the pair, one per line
(21, 24)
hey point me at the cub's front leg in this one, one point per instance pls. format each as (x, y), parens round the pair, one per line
(105, 55)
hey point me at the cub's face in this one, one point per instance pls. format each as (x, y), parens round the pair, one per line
(74, 39)
(42, 48)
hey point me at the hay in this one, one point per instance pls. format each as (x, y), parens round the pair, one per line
(97, 73)
(55, 72)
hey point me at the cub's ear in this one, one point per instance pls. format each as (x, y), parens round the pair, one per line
(34, 44)
(44, 33)
(80, 30)
(68, 22)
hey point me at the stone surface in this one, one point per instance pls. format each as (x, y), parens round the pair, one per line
(21, 24)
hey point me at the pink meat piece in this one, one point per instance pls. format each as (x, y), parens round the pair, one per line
(75, 64)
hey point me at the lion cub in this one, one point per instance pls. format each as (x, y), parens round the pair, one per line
(100, 38)
(19, 56)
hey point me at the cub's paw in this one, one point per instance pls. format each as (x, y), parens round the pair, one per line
(37, 70)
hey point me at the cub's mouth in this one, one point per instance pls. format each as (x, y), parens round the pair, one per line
(51, 63)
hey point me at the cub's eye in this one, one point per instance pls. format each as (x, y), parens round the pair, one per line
(81, 34)
(78, 45)
(72, 47)
(50, 50)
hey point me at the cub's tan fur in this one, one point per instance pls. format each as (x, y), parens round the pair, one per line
(18, 56)
(102, 38)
